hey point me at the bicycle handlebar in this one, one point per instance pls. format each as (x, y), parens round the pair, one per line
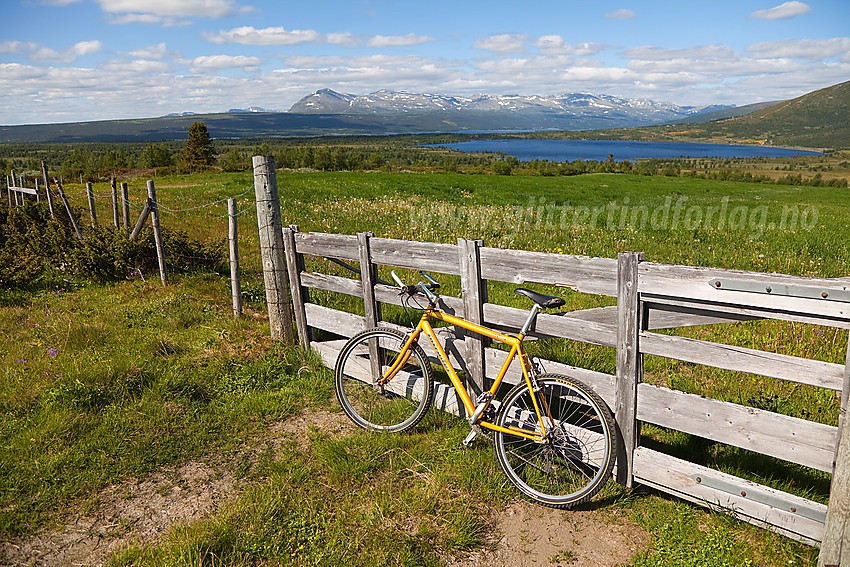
(425, 287)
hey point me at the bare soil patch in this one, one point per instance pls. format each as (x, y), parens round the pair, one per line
(131, 511)
(527, 535)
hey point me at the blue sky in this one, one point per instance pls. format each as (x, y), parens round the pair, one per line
(70, 60)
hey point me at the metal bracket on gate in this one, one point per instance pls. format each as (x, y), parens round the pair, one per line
(761, 497)
(799, 291)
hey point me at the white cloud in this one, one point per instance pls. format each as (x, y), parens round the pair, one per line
(67, 55)
(622, 14)
(158, 51)
(148, 19)
(783, 11)
(12, 47)
(814, 49)
(343, 39)
(172, 8)
(555, 44)
(398, 40)
(502, 43)
(702, 52)
(86, 47)
(17, 72)
(731, 68)
(217, 62)
(249, 35)
(143, 66)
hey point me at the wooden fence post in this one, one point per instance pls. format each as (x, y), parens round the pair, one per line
(14, 184)
(9, 191)
(125, 208)
(68, 209)
(368, 276)
(47, 189)
(371, 308)
(474, 293)
(233, 236)
(271, 248)
(143, 216)
(92, 212)
(113, 184)
(835, 545)
(157, 232)
(300, 295)
(37, 193)
(629, 363)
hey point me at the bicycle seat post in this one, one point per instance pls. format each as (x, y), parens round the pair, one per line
(535, 309)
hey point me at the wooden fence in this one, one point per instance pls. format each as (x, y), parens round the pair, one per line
(649, 296)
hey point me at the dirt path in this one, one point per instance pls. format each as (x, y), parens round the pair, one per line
(524, 535)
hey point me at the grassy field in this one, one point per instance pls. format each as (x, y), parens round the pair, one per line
(104, 382)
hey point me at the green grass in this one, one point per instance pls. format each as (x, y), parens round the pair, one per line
(101, 383)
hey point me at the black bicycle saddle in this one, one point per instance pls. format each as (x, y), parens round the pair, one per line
(545, 301)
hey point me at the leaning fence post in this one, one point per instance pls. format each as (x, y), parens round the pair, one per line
(143, 216)
(47, 189)
(157, 232)
(629, 363)
(474, 293)
(300, 295)
(68, 208)
(271, 248)
(233, 237)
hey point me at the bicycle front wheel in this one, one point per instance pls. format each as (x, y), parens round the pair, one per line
(396, 405)
(576, 458)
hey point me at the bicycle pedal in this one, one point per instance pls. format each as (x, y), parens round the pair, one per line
(473, 433)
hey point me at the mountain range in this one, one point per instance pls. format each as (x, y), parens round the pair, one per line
(578, 110)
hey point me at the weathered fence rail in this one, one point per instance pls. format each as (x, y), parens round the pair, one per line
(649, 297)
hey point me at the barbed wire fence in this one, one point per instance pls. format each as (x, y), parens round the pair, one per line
(130, 213)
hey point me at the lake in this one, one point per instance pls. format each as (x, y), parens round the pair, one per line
(571, 150)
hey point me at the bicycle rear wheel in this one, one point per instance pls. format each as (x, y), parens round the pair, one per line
(396, 405)
(575, 460)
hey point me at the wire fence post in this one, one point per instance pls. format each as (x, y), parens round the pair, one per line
(157, 232)
(271, 249)
(92, 212)
(113, 185)
(71, 216)
(47, 188)
(125, 209)
(233, 235)
(143, 216)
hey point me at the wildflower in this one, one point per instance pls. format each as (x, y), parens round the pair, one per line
(52, 352)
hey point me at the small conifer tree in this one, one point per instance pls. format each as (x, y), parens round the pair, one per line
(199, 150)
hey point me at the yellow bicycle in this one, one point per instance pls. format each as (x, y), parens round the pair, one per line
(553, 436)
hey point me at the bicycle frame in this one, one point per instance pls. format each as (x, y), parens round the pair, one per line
(515, 342)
